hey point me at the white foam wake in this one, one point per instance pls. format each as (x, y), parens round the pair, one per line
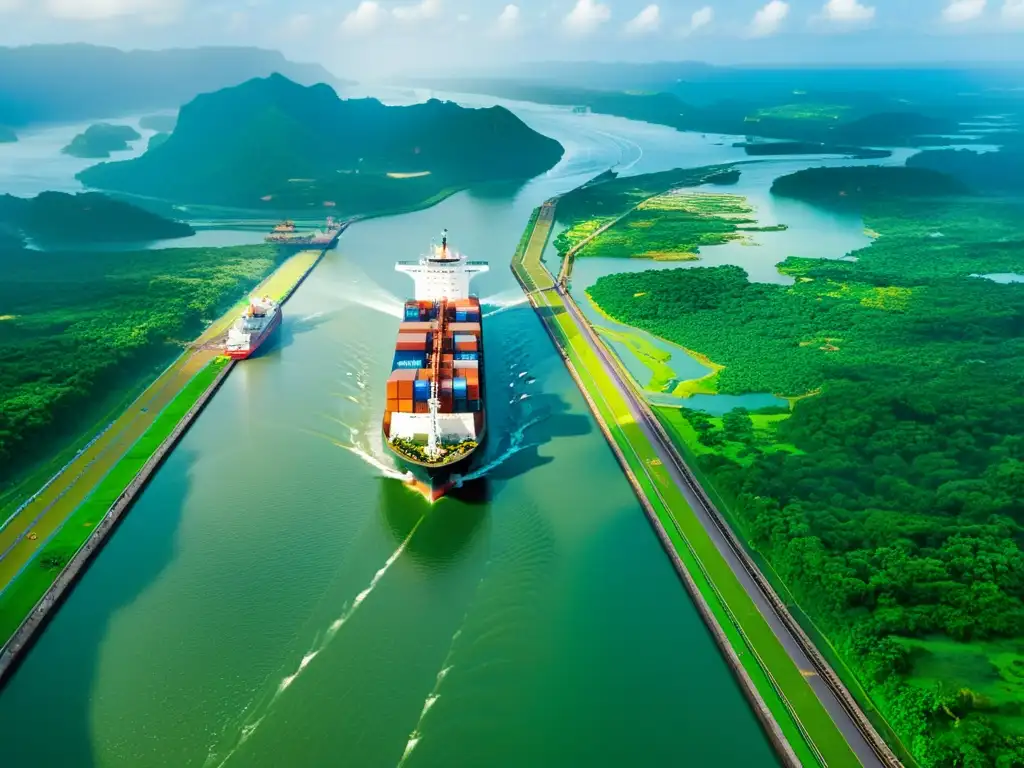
(347, 611)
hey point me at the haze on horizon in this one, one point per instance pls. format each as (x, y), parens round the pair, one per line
(379, 38)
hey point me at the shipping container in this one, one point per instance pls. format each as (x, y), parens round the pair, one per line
(464, 328)
(427, 326)
(405, 406)
(421, 407)
(466, 346)
(410, 365)
(392, 404)
(421, 390)
(459, 387)
(424, 373)
(461, 365)
(467, 355)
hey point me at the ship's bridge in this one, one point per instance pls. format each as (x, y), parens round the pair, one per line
(442, 274)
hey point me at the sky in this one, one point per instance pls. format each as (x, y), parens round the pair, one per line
(363, 38)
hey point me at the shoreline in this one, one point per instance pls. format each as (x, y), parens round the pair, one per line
(293, 272)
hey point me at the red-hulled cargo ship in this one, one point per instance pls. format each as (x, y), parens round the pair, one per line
(255, 325)
(434, 419)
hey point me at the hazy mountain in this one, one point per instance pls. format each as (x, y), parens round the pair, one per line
(61, 83)
(273, 143)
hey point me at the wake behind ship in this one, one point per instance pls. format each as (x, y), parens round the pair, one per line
(434, 419)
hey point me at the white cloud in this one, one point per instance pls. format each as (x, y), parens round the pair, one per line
(298, 24)
(91, 10)
(959, 11)
(366, 17)
(645, 22)
(507, 22)
(847, 12)
(768, 20)
(238, 21)
(700, 19)
(1013, 11)
(425, 9)
(586, 16)
(7, 6)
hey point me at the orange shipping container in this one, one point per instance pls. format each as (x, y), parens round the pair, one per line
(405, 406)
(466, 346)
(424, 374)
(392, 404)
(421, 408)
(392, 392)
(417, 327)
(472, 391)
(405, 390)
(473, 328)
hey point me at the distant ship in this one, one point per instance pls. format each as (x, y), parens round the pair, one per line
(434, 419)
(255, 325)
(285, 235)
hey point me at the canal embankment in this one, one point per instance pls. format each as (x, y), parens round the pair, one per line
(59, 531)
(780, 691)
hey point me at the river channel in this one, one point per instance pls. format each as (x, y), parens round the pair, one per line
(276, 599)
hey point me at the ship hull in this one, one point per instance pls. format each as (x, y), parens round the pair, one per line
(434, 481)
(254, 346)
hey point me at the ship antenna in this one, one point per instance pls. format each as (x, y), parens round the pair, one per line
(444, 241)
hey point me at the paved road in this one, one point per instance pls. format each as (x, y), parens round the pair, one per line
(672, 461)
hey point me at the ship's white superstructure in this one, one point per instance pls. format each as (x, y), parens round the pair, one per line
(444, 274)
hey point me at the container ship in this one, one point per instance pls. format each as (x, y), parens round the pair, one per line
(286, 236)
(255, 325)
(434, 420)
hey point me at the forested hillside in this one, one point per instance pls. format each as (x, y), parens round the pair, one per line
(895, 513)
(302, 147)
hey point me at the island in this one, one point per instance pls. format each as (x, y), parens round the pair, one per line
(159, 123)
(853, 185)
(773, 148)
(58, 219)
(303, 147)
(7, 136)
(887, 495)
(100, 140)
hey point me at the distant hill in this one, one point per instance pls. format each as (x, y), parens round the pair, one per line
(836, 118)
(60, 219)
(854, 185)
(992, 172)
(159, 123)
(100, 140)
(75, 82)
(7, 136)
(275, 144)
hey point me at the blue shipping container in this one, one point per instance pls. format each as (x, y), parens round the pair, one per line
(421, 389)
(408, 364)
(464, 337)
(467, 355)
(459, 387)
(460, 316)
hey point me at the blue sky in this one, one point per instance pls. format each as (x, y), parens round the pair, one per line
(365, 37)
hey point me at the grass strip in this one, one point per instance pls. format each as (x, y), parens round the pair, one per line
(18, 600)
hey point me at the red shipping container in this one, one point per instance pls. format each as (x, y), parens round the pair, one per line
(405, 390)
(473, 391)
(421, 408)
(466, 346)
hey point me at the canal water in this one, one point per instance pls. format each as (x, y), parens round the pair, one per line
(276, 598)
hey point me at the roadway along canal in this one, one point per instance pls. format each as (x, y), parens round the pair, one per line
(274, 599)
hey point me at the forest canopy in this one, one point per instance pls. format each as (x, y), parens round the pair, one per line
(894, 514)
(79, 330)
